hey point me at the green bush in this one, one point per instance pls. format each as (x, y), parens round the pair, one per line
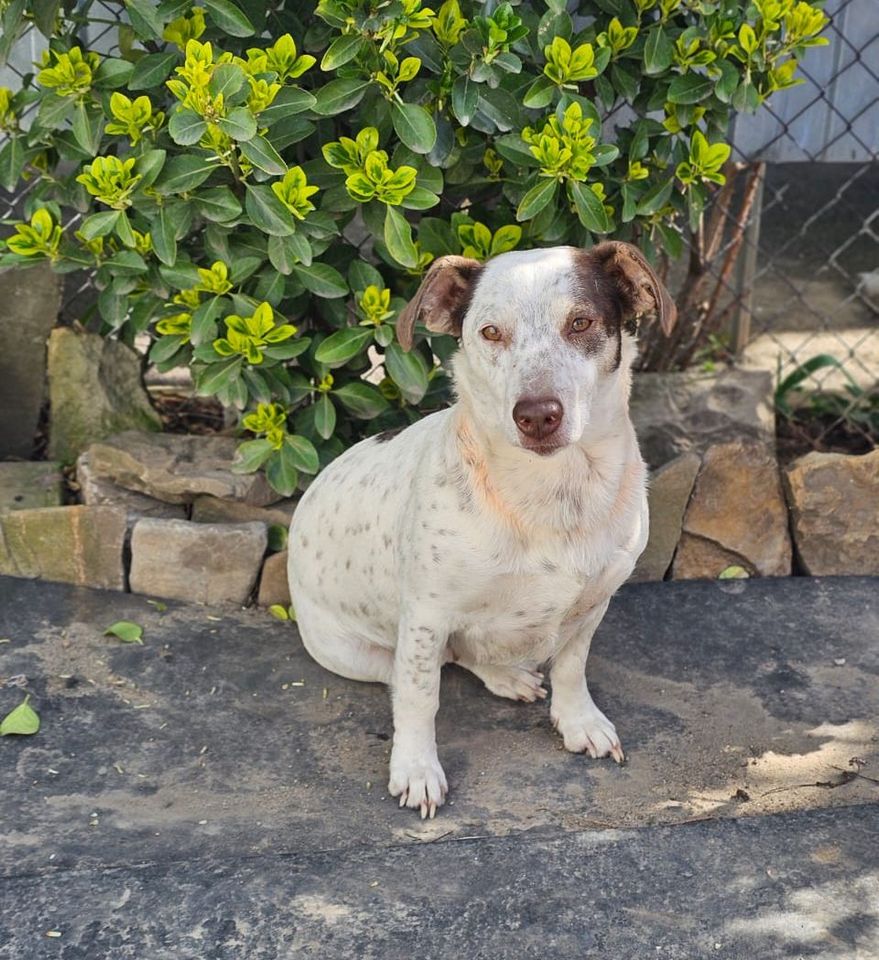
(261, 185)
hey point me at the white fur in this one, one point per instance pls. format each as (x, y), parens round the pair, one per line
(453, 542)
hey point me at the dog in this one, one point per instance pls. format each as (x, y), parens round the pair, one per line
(491, 534)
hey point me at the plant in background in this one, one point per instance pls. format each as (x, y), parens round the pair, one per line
(260, 186)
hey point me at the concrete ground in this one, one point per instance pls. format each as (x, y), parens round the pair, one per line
(215, 794)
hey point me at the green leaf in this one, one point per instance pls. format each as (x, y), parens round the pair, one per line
(322, 280)
(267, 212)
(145, 19)
(658, 51)
(414, 126)
(465, 99)
(88, 126)
(539, 94)
(251, 455)
(419, 198)
(605, 153)
(229, 18)
(217, 376)
(54, 111)
(218, 204)
(408, 371)
(278, 537)
(99, 224)
(343, 345)
(362, 274)
(302, 454)
(362, 399)
(113, 73)
(513, 148)
(204, 321)
(186, 127)
(281, 472)
(126, 631)
(342, 50)
(11, 163)
(542, 193)
(590, 209)
(22, 721)
(227, 79)
(44, 15)
(183, 173)
(689, 88)
(240, 125)
(339, 95)
(324, 417)
(263, 155)
(152, 70)
(398, 238)
(149, 165)
(283, 253)
(500, 107)
(289, 101)
(655, 198)
(123, 229)
(165, 348)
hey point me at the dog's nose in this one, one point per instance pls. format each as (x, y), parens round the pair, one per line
(538, 418)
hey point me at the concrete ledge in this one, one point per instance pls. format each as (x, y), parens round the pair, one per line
(215, 793)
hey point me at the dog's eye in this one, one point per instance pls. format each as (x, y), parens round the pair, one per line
(491, 332)
(579, 324)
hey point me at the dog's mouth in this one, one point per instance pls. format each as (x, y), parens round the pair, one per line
(543, 449)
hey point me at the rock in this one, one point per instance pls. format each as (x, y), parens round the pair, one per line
(273, 586)
(736, 516)
(30, 300)
(668, 495)
(95, 390)
(98, 492)
(26, 486)
(213, 510)
(834, 505)
(199, 562)
(675, 413)
(79, 544)
(177, 468)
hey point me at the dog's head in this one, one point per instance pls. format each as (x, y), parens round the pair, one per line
(547, 335)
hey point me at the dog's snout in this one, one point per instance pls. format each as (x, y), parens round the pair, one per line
(538, 418)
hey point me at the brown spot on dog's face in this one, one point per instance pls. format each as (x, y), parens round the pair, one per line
(635, 285)
(597, 316)
(616, 286)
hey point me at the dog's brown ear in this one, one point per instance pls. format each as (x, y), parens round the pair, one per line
(640, 290)
(442, 299)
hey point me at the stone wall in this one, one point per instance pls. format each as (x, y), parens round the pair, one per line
(167, 515)
(161, 514)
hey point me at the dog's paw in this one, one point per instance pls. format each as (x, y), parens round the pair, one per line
(589, 731)
(418, 780)
(515, 683)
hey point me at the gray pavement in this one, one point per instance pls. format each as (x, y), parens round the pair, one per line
(215, 794)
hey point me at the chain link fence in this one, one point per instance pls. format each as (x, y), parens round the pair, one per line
(807, 287)
(792, 281)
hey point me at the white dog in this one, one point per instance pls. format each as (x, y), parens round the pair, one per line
(494, 533)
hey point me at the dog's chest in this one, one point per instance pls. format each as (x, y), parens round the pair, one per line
(512, 616)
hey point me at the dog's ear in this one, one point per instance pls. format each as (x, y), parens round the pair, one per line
(442, 299)
(640, 290)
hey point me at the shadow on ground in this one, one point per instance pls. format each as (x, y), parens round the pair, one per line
(214, 793)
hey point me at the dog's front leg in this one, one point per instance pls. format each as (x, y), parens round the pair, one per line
(582, 725)
(416, 775)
